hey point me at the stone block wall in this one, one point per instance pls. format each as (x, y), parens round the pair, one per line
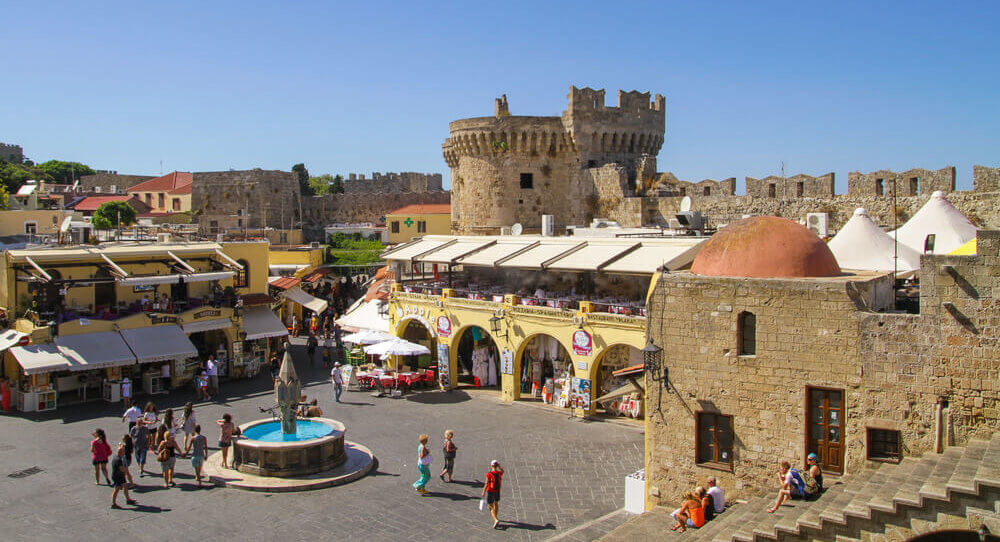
(406, 181)
(11, 153)
(249, 198)
(90, 183)
(986, 179)
(914, 182)
(796, 186)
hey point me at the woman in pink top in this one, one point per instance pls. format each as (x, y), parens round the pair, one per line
(100, 451)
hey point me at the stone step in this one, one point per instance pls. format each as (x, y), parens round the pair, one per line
(963, 479)
(858, 505)
(895, 477)
(935, 486)
(723, 528)
(988, 472)
(835, 511)
(811, 517)
(908, 492)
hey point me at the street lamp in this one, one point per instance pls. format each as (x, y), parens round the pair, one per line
(652, 357)
(495, 326)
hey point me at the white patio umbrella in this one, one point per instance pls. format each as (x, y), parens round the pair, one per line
(368, 337)
(397, 347)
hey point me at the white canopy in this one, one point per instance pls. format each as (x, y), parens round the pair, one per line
(10, 337)
(369, 337)
(364, 315)
(159, 343)
(98, 350)
(592, 257)
(397, 347)
(449, 253)
(174, 278)
(494, 253)
(409, 251)
(39, 358)
(260, 322)
(299, 296)
(208, 324)
(939, 217)
(861, 244)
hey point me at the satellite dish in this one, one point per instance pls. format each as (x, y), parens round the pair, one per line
(65, 224)
(686, 204)
(516, 229)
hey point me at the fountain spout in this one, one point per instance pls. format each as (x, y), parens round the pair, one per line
(286, 392)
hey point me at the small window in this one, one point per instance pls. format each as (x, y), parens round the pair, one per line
(748, 334)
(31, 228)
(684, 191)
(241, 279)
(395, 226)
(800, 189)
(160, 201)
(213, 226)
(883, 445)
(914, 186)
(421, 226)
(149, 200)
(772, 190)
(707, 191)
(714, 440)
(527, 181)
(176, 203)
(879, 187)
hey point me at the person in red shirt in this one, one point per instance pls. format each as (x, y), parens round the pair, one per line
(491, 490)
(100, 451)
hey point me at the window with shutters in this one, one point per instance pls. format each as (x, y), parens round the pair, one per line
(714, 440)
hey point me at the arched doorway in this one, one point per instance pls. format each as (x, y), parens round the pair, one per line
(477, 358)
(545, 370)
(416, 331)
(626, 395)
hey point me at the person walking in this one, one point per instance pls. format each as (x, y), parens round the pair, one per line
(149, 414)
(99, 454)
(188, 424)
(127, 458)
(166, 454)
(423, 465)
(449, 455)
(119, 474)
(127, 392)
(140, 444)
(337, 376)
(131, 415)
(199, 454)
(169, 423)
(491, 490)
(311, 344)
(226, 431)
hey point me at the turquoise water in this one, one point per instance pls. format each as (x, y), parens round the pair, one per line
(304, 430)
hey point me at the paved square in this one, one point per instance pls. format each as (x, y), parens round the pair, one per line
(560, 472)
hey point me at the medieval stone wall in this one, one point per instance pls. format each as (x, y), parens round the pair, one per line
(245, 199)
(104, 181)
(406, 181)
(321, 211)
(986, 179)
(914, 182)
(11, 153)
(797, 186)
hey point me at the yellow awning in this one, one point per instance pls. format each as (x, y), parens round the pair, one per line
(968, 249)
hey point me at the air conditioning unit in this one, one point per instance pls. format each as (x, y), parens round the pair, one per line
(97, 189)
(691, 220)
(114, 189)
(818, 222)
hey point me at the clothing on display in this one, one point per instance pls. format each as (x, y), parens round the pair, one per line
(484, 365)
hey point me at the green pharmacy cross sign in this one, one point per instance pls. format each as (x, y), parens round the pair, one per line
(408, 222)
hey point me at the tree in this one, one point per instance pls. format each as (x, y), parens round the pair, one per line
(3, 197)
(12, 176)
(65, 172)
(303, 174)
(106, 216)
(321, 185)
(337, 186)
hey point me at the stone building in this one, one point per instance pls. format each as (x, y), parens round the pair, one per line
(111, 183)
(406, 181)
(11, 153)
(254, 198)
(512, 169)
(773, 352)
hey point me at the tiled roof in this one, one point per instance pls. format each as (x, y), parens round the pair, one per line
(93, 202)
(317, 274)
(171, 182)
(250, 300)
(423, 209)
(285, 283)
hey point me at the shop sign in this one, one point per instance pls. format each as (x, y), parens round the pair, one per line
(444, 326)
(161, 319)
(207, 312)
(583, 343)
(507, 361)
(444, 366)
(579, 394)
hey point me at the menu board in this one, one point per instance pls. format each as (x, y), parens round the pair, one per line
(444, 365)
(579, 393)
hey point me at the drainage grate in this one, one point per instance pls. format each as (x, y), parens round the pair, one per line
(25, 473)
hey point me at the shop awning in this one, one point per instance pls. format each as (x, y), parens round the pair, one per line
(207, 325)
(259, 323)
(448, 254)
(627, 389)
(410, 252)
(365, 315)
(10, 337)
(205, 277)
(592, 257)
(318, 274)
(39, 358)
(299, 296)
(490, 255)
(283, 283)
(158, 343)
(88, 351)
(227, 261)
(534, 257)
(648, 258)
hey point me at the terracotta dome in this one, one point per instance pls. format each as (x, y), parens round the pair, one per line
(765, 247)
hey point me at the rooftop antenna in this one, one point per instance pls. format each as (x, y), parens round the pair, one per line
(161, 167)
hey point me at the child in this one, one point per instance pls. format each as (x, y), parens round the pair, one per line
(449, 455)
(199, 445)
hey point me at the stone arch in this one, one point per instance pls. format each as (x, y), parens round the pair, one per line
(623, 355)
(520, 352)
(455, 350)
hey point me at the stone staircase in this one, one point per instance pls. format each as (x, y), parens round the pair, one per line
(892, 497)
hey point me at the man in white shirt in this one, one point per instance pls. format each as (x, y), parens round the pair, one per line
(718, 497)
(338, 381)
(131, 415)
(212, 369)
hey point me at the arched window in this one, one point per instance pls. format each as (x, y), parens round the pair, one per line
(748, 334)
(242, 277)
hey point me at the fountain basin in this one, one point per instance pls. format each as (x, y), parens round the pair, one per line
(263, 450)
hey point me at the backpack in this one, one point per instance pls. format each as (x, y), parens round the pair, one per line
(800, 485)
(809, 484)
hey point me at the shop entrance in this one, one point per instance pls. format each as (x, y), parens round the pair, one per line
(478, 359)
(546, 370)
(416, 332)
(625, 397)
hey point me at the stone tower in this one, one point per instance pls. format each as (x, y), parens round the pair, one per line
(513, 169)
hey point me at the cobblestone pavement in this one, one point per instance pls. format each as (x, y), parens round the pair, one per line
(560, 472)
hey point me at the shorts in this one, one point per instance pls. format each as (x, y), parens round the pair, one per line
(118, 483)
(197, 461)
(492, 497)
(225, 444)
(168, 464)
(140, 455)
(96, 462)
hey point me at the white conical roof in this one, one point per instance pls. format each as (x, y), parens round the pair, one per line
(938, 216)
(861, 244)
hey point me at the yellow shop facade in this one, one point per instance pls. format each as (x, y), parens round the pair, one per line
(535, 318)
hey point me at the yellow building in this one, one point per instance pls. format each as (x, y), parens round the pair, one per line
(168, 194)
(418, 220)
(149, 312)
(552, 317)
(39, 222)
(294, 260)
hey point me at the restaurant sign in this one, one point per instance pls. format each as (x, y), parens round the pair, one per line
(583, 343)
(207, 312)
(161, 319)
(444, 326)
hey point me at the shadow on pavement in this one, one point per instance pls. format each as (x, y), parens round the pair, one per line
(451, 496)
(438, 397)
(476, 483)
(504, 525)
(149, 509)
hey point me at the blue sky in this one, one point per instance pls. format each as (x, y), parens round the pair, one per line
(371, 86)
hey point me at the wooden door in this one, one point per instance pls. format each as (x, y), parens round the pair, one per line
(825, 427)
